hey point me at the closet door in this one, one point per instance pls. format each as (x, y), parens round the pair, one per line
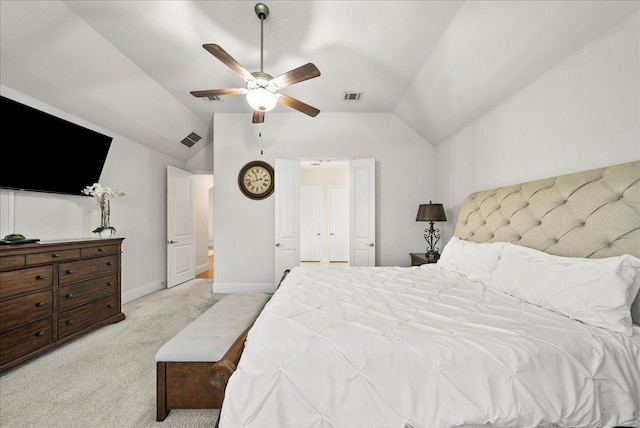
(311, 223)
(338, 223)
(287, 216)
(363, 214)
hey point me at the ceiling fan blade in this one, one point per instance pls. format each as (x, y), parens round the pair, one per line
(218, 92)
(228, 60)
(298, 105)
(258, 116)
(297, 75)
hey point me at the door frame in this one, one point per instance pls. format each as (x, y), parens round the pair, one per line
(367, 166)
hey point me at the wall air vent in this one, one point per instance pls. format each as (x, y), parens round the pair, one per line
(352, 96)
(191, 139)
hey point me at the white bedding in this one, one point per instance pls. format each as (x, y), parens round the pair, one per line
(425, 347)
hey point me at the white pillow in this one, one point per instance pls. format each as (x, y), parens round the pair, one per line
(595, 291)
(474, 260)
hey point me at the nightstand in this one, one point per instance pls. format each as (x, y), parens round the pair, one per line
(418, 259)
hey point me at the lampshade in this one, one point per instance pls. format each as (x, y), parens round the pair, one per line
(431, 212)
(261, 99)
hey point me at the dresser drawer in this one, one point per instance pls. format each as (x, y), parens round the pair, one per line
(12, 262)
(99, 251)
(24, 309)
(26, 339)
(75, 320)
(86, 291)
(52, 256)
(81, 270)
(25, 280)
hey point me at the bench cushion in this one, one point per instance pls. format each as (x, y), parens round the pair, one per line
(209, 336)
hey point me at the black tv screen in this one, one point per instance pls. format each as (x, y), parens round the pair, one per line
(44, 153)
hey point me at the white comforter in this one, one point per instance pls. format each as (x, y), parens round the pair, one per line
(425, 347)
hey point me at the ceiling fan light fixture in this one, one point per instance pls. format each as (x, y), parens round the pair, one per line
(261, 99)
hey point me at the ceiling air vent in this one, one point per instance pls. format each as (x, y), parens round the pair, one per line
(212, 98)
(191, 139)
(352, 96)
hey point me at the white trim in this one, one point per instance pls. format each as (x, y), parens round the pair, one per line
(202, 268)
(128, 296)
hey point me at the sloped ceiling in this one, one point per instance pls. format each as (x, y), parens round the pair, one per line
(128, 66)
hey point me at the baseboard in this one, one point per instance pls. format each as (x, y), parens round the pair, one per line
(202, 268)
(242, 288)
(128, 296)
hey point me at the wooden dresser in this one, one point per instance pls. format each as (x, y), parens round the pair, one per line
(53, 292)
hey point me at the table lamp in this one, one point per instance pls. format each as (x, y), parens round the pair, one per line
(431, 212)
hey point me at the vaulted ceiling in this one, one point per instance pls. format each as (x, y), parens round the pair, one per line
(129, 66)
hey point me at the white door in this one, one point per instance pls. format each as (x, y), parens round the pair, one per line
(362, 228)
(181, 222)
(338, 223)
(287, 216)
(311, 223)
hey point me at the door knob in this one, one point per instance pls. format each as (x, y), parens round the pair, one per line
(318, 234)
(172, 242)
(332, 234)
(371, 244)
(278, 244)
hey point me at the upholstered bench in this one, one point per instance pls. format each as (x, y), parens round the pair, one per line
(184, 364)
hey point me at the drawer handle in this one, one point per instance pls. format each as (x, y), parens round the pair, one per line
(110, 305)
(39, 304)
(40, 277)
(69, 271)
(109, 284)
(55, 255)
(40, 333)
(69, 296)
(69, 322)
(109, 263)
(100, 250)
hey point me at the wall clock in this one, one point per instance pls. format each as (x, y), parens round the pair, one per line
(255, 179)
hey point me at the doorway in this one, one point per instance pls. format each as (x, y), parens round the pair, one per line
(362, 219)
(324, 211)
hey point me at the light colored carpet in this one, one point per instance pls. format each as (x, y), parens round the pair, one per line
(107, 379)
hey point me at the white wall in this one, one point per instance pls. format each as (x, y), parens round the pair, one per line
(139, 217)
(244, 228)
(582, 114)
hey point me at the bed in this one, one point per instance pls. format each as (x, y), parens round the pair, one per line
(529, 319)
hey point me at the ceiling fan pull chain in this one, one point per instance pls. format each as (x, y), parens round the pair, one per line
(260, 135)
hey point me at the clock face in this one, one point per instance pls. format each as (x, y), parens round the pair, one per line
(256, 180)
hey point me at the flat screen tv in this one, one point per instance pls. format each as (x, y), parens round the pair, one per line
(44, 153)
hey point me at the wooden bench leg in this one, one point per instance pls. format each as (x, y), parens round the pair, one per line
(161, 391)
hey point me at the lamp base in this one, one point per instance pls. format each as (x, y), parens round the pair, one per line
(432, 256)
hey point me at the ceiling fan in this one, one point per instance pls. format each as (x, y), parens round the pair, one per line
(262, 89)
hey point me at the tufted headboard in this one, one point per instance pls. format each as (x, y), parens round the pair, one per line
(593, 213)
